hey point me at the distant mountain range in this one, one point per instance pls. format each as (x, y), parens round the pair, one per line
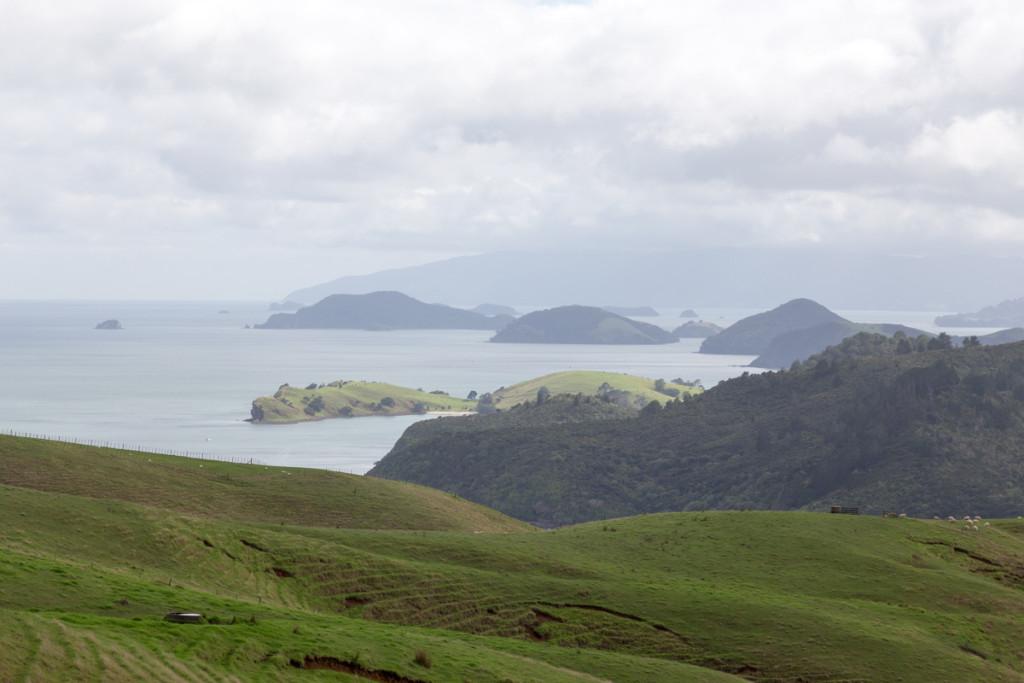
(721, 277)
(801, 328)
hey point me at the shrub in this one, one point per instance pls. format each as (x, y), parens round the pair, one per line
(422, 658)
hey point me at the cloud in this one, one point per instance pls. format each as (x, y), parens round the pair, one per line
(408, 129)
(990, 144)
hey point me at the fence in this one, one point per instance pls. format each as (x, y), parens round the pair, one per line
(132, 448)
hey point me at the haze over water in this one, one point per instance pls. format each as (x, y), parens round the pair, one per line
(181, 376)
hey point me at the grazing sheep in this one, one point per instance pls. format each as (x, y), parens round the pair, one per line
(986, 523)
(951, 519)
(903, 514)
(975, 527)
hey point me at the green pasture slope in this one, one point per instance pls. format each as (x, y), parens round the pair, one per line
(351, 399)
(86, 576)
(588, 383)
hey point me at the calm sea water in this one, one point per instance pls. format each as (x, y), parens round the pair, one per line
(181, 376)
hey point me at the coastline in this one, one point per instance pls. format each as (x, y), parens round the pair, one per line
(435, 413)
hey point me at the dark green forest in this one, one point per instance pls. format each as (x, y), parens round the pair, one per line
(927, 432)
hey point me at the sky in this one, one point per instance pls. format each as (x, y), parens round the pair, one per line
(239, 150)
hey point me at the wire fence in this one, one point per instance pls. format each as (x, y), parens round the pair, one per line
(195, 455)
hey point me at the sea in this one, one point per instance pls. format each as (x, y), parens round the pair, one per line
(180, 377)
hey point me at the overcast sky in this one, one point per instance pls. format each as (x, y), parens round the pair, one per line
(240, 150)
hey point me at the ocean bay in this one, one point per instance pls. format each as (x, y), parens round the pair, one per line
(181, 376)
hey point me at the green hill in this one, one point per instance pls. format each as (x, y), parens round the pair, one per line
(556, 410)
(709, 596)
(351, 399)
(246, 493)
(580, 325)
(931, 433)
(632, 390)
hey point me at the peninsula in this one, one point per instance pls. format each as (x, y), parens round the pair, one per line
(351, 399)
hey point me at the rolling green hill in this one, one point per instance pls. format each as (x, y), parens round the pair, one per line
(351, 399)
(931, 433)
(706, 596)
(245, 493)
(592, 383)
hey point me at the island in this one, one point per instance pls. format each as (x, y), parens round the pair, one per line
(1007, 314)
(381, 311)
(352, 399)
(109, 325)
(581, 325)
(363, 399)
(791, 332)
(495, 309)
(696, 329)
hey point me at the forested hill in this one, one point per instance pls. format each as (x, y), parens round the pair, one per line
(933, 433)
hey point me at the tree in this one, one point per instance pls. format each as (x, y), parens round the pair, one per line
(943, 341)
(652, 408)
(485, 404)
(971, 341)
(471, 396)
(542, 395)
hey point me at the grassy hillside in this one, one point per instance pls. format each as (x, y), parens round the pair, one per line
(930, 433)
(589, 383)
(670, 597)
(250, 493)
(351, 399)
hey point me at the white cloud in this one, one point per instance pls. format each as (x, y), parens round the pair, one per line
(457, 126)
(991, 144)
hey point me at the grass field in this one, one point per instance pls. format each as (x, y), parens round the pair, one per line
(384, 589)
(352, 399)
(588, 383)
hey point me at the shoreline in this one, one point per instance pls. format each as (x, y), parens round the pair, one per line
(436, 413)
